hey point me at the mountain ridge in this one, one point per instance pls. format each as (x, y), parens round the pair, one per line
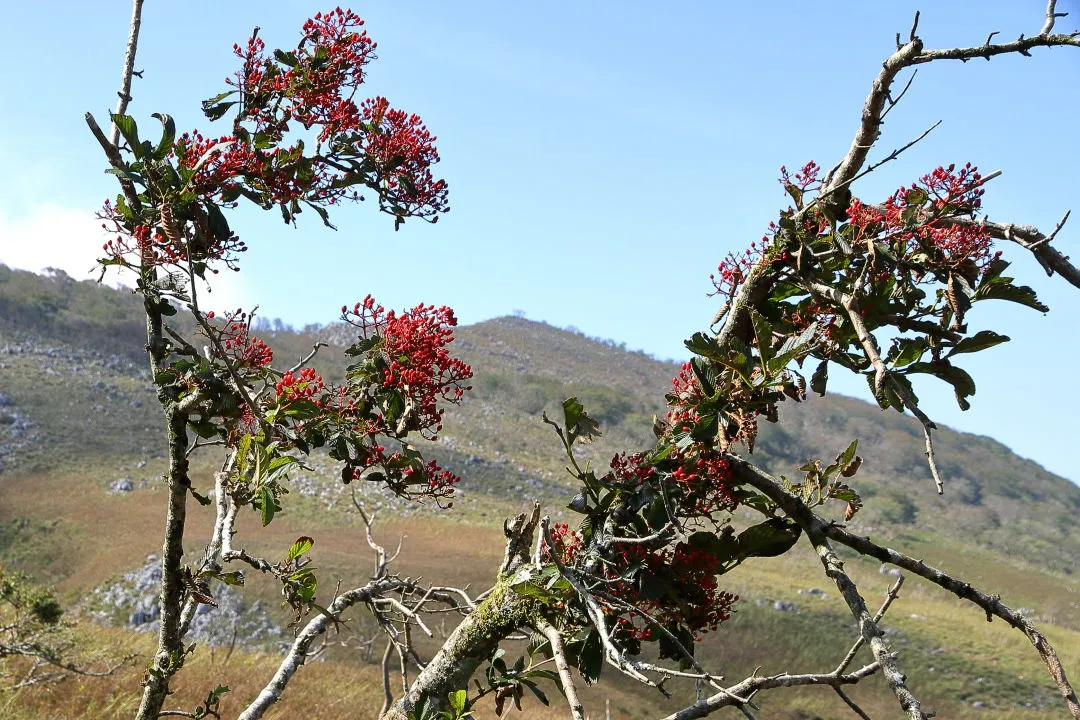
(524, 368)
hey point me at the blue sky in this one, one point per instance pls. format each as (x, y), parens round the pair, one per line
(602, 158)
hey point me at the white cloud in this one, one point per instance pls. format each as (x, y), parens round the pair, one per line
(51, 235)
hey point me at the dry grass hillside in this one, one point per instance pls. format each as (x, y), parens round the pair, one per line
(77, 417)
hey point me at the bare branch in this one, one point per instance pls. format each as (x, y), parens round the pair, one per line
(309, 357)
(299, 650)
(129, 67)
(730, 696)
(850, 703)
(891, 595)
(870, 126)
(1031, 238)
(910, 54)
(868, 628)
(1022, 45)
(991, 604)
(388, 692)
(1051, 17)
(115, 161)
(577, 710)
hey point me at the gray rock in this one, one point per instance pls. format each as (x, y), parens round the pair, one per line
(123, 485)
(784, 606)
(133, 602)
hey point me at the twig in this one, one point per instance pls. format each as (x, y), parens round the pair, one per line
(1029, 238)
(309, 357)
(850, 703)
(615, 657)
(129, 68)
(388, 692)
(891, 595)
(749, 686)
(577, 711)
(1051, 17)
(869, 629)
(991, 604)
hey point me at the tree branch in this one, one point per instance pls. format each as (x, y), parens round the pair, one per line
(730, 697)
(577, 710)
(129, 67)
(991, 604)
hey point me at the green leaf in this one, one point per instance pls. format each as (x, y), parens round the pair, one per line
(202, 499)
(651, 587)
(168, 136)
(394, 406)
(130, 132)
(204, 429)
(537, 691)
(910, 350)
(301, 546)
(705, 346)
(591, 658)
(267, 503)
(962, 383)
(219, 226)
(1001, 288)
(845, 458)
(457, 699)
(915, 196)
(579, 426)
(529, 588)
(771, 538)
(165, 377)
(233, 577)
(286, 58)
(703, 374)
(218, 98)
(763, 336)
(820, 378)
(793, 347)
(669, 650)
(724, 546)
(242, 450)
(796, 194)
(978, 341)
(322, 212)
(303, 409)
(277, 467)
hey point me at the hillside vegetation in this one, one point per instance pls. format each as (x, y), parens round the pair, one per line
(78, 417)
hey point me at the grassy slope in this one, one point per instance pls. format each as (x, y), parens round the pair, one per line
(57, 520)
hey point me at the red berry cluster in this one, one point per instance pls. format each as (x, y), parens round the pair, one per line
(403, 150)
(315, 86)
(168, 243)
(630, 471)
(566, 544)
(684, 396)
(304, 385)
(805, 179)
(690, 594)
(417, 360)
(915, 212)
(735, 267)
(223, 165)
(705, 478)
(244, 350)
